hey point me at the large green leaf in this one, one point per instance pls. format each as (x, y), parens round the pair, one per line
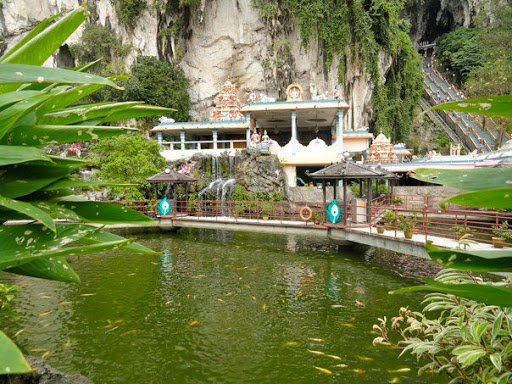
(10, 154)
(477, 261)
(137, 111)
(24, 243)
(106, 213)
(14, 97)
(467, 179)
(490, 106)
(84, 113)
(26, 178)
(28, 210)
(53, 268)
(21, 74)
(42, 135)
(67, 96)
(75, 182)
(11, 358)
(57, 268)
(101, 237)
(41, 45)
(497, 198)
(487, 294)
(29, 36)
(10, 115)
(56, 211)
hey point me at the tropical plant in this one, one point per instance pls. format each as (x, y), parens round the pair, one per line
(405, 223)
(503, 231)
(37, 109)
(468, 341)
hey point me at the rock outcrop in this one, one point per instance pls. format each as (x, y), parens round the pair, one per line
(222, 40)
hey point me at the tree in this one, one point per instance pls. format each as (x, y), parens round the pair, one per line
(160, 83)
(127, 159)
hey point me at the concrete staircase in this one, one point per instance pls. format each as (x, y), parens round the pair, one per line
(464, 128)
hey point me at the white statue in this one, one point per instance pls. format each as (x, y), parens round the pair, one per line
(251, 98)
(337, 94)
(266, 99)
(165, 119)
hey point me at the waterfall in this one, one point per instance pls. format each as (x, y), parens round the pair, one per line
(220, 189)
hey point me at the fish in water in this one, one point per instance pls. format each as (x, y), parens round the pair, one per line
(192, 323)
(315, 339)
(291, 344)
(341, 365)
(323, 370)
(334, 357)
(401, 370)
(320, 353)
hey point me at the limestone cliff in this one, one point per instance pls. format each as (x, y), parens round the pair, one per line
(223, 40)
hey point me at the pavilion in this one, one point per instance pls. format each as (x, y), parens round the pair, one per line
(347, 170)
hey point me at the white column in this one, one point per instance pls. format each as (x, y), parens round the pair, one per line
(182, 139)
(248, 132)
(294, 133)
(215, 136)
(339, 132)
(159, 138)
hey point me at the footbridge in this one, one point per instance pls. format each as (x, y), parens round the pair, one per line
(403, 224)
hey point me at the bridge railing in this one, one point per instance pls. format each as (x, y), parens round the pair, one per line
(421, 212)
(428, 222)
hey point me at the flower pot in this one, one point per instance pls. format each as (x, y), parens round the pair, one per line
(388, 225)
(498, 242)
(266, 217)
(408, 234)
(380, 229)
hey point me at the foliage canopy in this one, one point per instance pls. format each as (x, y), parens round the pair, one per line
(127, 159)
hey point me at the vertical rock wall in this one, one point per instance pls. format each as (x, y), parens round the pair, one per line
(228, 40)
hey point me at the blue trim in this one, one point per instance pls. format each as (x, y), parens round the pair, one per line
(297, 102)
(206, 123)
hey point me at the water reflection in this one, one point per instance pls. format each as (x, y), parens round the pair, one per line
(223, 307)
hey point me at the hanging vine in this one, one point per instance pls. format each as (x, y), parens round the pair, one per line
(362, 29)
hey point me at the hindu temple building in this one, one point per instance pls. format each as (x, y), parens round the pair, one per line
(305, 135)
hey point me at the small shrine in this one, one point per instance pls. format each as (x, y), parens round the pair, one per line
(227, 106)
(381, 151)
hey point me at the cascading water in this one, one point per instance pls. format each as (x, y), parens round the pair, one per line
(220, 189)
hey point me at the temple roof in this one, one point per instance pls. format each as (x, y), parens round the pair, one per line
(170, 176)
(350, 170)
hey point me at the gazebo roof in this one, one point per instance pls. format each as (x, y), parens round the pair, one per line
(171, 177)
(350, 170)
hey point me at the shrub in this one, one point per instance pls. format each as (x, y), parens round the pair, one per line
(128, 159)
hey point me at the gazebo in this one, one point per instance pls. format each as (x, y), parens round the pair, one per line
(173, 178)
(348, 170)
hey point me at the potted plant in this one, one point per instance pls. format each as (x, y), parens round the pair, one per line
(501, 235)
(389, 219)
(266, 210)
(380, 228)
(406, 224)
(397, 200)
(317, 217)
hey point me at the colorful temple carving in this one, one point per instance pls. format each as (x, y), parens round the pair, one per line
(227, 107)
(381, 151)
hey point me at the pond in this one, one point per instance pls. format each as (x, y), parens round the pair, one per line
(220, 307)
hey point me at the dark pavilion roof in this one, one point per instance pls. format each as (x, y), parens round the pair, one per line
(347, 169)
(170, 176)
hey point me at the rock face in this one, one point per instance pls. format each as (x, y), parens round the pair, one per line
(257, 173)
(432, 18)
(224, 40)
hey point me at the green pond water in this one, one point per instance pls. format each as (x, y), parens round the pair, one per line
(218, 307)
